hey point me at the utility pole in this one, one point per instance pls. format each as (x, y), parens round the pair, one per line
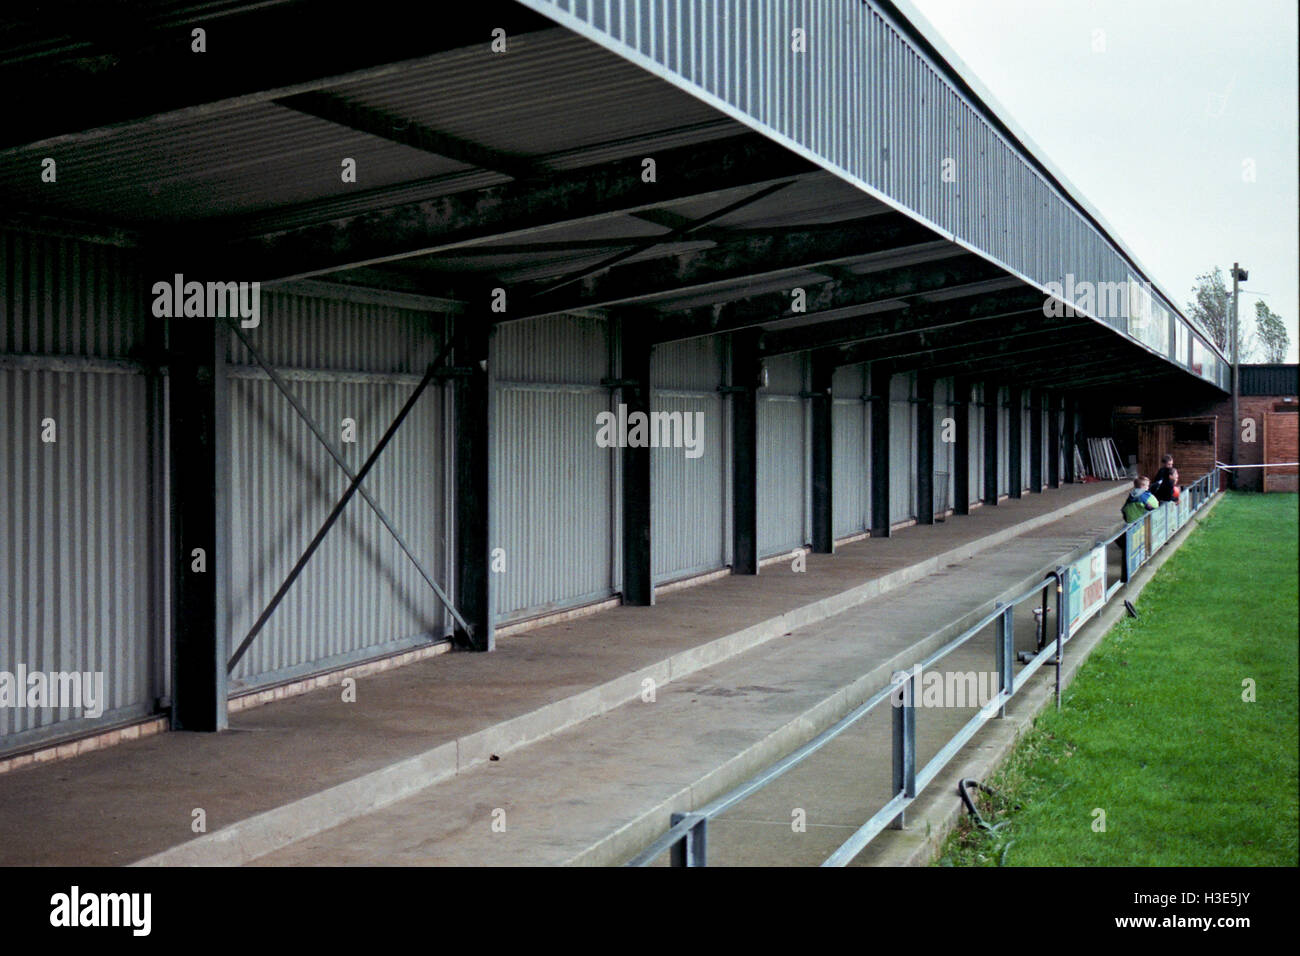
(1238, 275)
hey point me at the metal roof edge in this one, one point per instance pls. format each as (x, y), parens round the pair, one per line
(921, 31)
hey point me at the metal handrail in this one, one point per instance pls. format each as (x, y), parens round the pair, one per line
(686, 838)
(1196, 494)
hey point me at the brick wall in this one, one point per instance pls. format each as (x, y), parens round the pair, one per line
(1281, 443)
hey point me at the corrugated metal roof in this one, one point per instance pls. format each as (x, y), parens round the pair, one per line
(260, 157)
(812, 201)
(524, 102)
(870, 103)
(556, 97)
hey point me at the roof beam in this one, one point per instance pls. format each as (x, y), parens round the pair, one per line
(968, 359)
(1122, 384)
(744, 258)
(825, 301)
(1147, 372)
(932, 344)
(1039, 365)
(916, 318)
(364, 119)
(508, 210)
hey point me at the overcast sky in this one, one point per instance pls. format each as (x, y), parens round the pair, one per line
(1155, 119)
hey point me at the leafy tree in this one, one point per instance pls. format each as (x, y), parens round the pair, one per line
(1212, 311)
(1212, 308)
(1271, 333)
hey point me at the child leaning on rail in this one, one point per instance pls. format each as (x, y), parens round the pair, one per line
(1139, 500)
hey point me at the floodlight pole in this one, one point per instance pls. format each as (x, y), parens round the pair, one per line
(1238, 274)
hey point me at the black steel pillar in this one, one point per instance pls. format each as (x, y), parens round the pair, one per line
(1053, 440)
(1067, 433)
(991, 415)
(638, 587)
(880, 374)
(744, 445)
(961, 446)
(924, 449)
(823, 528)
(1036, 440)
(200, 514)
(473, 482)
(1015, 441)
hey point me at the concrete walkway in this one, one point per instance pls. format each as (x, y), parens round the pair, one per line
(406, 775)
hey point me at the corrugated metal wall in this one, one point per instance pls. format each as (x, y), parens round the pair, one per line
(850, 452)
(1044, 451)
(1026, 444)
(864, 98)
(359, 596)
(555, 503)
(902, 447)
(783, 459)
(81, 553)
(976, 442)
(689, 496)
(944, 468)
(1268, 380)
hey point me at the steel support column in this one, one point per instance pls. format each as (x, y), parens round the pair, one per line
(1067, 434)
(925, 449)
(961, 447)
(1015, 441)
(1036, 440)
(1053, 440)
(473, 483)
(638, 585)
(200, 512)
(823, 529)
(879, 376)
(744, 446)
(991, 416)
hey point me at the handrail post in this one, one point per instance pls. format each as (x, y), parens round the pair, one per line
(1123, 555)
(904, 743)
(1004, 650)
(692, 848)
(1062, 622)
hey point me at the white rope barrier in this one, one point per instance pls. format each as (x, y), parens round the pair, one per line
(1270, 464)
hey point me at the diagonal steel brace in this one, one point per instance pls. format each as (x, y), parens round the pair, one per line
(354, 487)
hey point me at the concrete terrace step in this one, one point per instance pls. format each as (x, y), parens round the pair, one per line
(598, 792)
(294, 768)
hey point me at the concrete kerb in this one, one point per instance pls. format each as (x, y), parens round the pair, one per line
(934, 815)
(263, 833)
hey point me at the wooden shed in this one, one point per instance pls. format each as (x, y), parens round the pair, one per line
(1192, 442)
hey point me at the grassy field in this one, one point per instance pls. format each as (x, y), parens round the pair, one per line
(1154, 730)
